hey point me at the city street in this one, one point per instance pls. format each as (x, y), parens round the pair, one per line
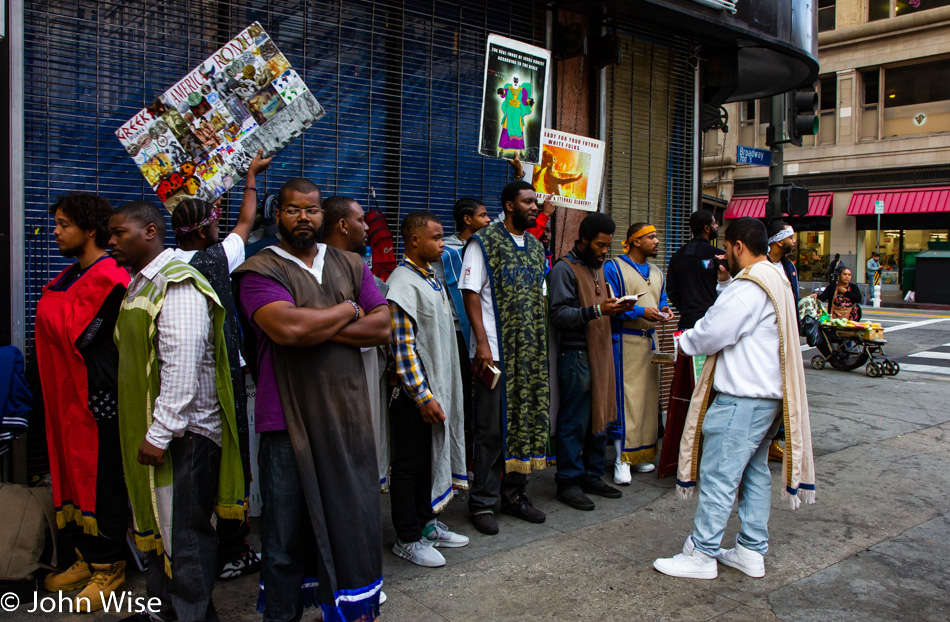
(873, 547)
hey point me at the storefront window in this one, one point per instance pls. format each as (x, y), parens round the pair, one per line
(811, 255)
(899, 248)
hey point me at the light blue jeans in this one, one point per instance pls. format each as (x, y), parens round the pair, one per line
(737, 432)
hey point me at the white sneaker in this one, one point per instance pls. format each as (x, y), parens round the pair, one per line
(644, 467)
(746, 560)
(382, 597)
(420, 553)
(690, 564)
(622, 474)
(438, 534)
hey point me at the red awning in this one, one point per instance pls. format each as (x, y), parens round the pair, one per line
(818, 205)
(908, 201)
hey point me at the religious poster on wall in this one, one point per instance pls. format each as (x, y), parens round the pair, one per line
(198, 138)
(514, 105)
(570, 171)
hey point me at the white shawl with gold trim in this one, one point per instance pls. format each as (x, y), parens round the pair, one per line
(798, 467)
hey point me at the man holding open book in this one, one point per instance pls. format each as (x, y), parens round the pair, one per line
(638, 380)
(580, 307)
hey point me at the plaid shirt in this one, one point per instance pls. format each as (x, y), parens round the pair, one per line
(403, 346)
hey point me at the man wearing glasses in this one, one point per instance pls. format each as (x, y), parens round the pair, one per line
(307, 309)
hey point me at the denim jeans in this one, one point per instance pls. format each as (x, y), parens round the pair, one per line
(288, 546)
(490, 482)
(580, 454)
(737, 432)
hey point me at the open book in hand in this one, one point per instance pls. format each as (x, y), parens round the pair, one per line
(633, 297)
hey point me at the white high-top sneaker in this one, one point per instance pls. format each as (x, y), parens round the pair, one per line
(690, 564)
(746, 560)
(622, 474)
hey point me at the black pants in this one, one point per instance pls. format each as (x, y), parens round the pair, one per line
(491, 483)
(196, 461)
(112, 500)
(410, 480)
(465, 365)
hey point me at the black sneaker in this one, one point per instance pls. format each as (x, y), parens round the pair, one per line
(485, 522)
(601, 489)
(248, 563)
(523, 509)
(575, 497)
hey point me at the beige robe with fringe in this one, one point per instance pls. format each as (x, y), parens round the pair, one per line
(798, 468)
(640, 391)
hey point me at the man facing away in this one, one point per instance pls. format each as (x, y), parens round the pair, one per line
(470, 216)
(79, 365)
(691, 286)
(580, 307)
(307, 309)
(197, 232)
(428, 453)
(504, 292)
(176, 413)
(638, 379)
(345, 228)
(753, 375)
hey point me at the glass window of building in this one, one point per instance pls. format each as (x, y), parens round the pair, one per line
(903, 7)
(811, 255)
(878, 9)
(826, 15)
(827, 107)
(870, 106)
(882, 9)
(917, 84)
(916, 99)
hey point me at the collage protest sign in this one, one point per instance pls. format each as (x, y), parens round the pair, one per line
(197, 139)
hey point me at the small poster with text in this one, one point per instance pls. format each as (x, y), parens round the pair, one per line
(570, 172)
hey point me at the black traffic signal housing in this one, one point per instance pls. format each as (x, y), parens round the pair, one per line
(786, 200)
(802, 117)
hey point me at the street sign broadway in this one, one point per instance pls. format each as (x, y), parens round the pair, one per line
(751, 155)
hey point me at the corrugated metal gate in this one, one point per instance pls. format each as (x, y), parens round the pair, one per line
(650, 146)
(401, 82)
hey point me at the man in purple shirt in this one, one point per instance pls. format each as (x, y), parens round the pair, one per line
(308, 308)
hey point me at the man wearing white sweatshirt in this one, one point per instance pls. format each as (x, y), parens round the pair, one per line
(743, 410)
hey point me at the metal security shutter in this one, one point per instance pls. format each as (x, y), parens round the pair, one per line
(401, 82)
(649, 176)
(650, 149)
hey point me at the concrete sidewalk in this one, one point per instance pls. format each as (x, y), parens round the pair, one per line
(872, 548)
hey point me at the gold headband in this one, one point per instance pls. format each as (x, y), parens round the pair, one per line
(639, 233)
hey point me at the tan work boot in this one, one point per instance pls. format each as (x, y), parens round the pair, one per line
(776, 453)
(73, 578)
(106, 578)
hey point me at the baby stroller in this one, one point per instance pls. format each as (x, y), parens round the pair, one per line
(844, 348)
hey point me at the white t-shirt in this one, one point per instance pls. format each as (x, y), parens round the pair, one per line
(233, 245)
(475, 279)
(233, 249)
(741, 327)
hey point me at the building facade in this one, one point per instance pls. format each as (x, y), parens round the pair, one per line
(884, 135)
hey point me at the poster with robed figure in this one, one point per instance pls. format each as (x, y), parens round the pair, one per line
(514, 104)
(197, 139)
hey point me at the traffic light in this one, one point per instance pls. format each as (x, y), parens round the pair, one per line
(802, 114)
(786, 199)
